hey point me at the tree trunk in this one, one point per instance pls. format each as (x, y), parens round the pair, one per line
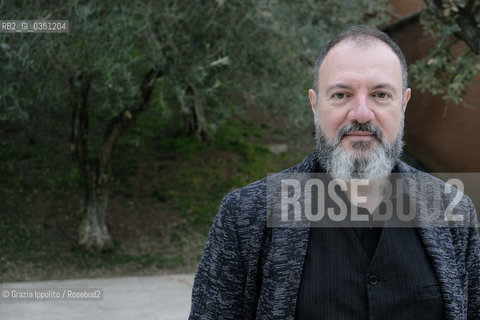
(92, 232)
(196, 120)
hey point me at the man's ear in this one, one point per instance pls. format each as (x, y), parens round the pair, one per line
(406, 98)
(313, 100)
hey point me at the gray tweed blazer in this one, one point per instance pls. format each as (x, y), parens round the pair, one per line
(250, 271)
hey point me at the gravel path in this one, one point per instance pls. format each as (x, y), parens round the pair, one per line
(156, 297)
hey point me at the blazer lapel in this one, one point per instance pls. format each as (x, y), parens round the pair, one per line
(289, 250)
(289, 247)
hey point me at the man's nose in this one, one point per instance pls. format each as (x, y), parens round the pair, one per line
(360, 110)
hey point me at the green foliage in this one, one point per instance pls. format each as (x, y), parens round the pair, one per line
(452, 64)
(213, 55)
(109, 49)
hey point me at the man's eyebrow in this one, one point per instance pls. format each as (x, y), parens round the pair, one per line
(337, 86)
(384, 85)
(387, 86)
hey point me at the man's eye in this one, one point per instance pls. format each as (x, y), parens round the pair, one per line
(339, 95)
(382, 95)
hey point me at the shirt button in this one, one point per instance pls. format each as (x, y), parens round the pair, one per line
(373, 280)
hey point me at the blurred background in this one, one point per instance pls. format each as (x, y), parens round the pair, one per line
(119, 138)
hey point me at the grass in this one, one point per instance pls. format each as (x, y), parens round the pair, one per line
(162, 204)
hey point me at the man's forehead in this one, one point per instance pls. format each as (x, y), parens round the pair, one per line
(355, 45)
(350, 52)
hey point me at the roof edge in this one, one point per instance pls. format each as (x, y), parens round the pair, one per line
(414, 17)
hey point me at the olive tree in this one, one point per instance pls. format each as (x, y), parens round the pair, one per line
(203, 60)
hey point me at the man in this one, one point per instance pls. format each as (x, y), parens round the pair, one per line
(255, 269)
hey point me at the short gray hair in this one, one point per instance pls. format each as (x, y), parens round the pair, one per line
(362, 35)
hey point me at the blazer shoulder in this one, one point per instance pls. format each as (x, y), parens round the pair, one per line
(249, 203)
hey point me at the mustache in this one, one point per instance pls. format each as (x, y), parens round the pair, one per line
(357, 126)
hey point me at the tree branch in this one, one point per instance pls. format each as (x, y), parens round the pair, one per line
(435, 8)
(470, 32)
(469, 5)
(78, 146)
(476, 11)
(464, 18)
(121, 121)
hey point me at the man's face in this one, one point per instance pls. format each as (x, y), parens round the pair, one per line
(360, 86)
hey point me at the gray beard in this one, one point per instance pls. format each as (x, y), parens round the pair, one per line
(361, 163)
